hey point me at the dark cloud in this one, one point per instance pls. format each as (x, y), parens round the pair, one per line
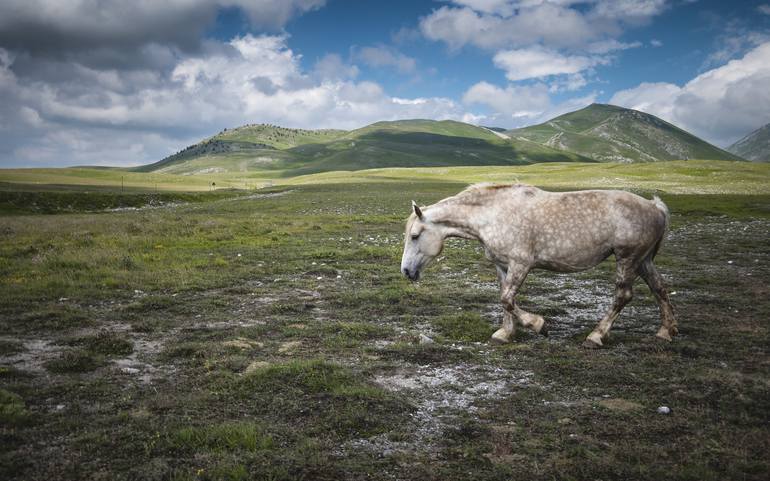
(126, 34)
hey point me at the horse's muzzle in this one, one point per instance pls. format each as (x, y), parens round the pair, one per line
(412, 275)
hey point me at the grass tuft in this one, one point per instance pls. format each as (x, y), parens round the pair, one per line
(76, 361)
(467, 327)
(231, 436)
(12, 410)
(106, 343)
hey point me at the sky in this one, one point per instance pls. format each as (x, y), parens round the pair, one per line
(110, 82)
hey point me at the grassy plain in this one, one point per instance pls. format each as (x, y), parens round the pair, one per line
(269, 335)
(684, 176)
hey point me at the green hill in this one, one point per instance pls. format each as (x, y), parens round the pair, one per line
(403, 143)
(598, 133)
(420, 143)
(755, 146)
(607, 133)
(250, 147)
(449, 128)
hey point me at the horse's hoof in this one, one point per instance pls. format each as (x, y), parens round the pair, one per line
(501, 336)
(663, 334)
(673, 330)
(589, 344)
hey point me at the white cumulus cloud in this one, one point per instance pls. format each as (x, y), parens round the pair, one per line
(384, 56)
(514, 100)
(520, 105)
(553, 25)
(720, 105)
(536, 62)
(535, 39)
(495, 24)
(91, 117)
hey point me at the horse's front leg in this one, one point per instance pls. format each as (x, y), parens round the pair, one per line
(510, 281)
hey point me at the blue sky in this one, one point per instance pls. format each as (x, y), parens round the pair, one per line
(131, 82)
(689, 32)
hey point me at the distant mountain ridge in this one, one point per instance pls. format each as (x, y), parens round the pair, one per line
(755, 146)
(608, 133)
(597, 133)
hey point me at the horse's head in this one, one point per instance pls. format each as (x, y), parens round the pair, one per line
(423, 241)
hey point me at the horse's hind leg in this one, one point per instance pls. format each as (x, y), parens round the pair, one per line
(624, 279)
(655, 282)
(508, 327)
(530, 320)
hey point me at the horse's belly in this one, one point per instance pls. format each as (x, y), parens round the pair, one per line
(572, 261)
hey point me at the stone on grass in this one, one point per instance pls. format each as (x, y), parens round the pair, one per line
(256, 366)
(425, 339)
(289, 346)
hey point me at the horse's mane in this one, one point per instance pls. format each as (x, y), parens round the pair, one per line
(475, 193)
(489, 186)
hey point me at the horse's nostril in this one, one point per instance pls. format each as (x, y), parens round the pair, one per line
(406, 272)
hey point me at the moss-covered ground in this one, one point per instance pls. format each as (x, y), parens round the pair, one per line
(272, 336)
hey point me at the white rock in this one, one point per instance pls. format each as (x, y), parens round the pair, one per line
(664, 410)
(425, 339)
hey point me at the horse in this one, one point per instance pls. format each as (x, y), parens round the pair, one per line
(522, 228)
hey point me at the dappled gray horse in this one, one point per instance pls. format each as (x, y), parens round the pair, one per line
(524, 228)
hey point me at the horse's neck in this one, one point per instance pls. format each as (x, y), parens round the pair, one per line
(456, 218)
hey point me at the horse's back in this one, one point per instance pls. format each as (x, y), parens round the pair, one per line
(583, 227)
(636, 222)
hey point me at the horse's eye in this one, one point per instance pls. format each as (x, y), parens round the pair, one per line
(415, 236)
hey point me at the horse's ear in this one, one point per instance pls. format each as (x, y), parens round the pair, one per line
(417, 210)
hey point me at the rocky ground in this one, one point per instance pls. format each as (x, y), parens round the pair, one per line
(272, 337)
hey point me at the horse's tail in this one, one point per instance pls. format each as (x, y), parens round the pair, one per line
(663, 208)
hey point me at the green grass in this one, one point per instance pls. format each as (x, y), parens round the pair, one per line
(105, 343)
(299, 358)
(48, 200)
(76, 361)
(233, 436)
(13, 413)
(96, 178)
(33, 190)
(467, 326)
(675, 177)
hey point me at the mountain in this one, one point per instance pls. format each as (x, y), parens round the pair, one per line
(755, 146)
(249, 142)
(608, 133)
(597, 133)
(403, 143)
